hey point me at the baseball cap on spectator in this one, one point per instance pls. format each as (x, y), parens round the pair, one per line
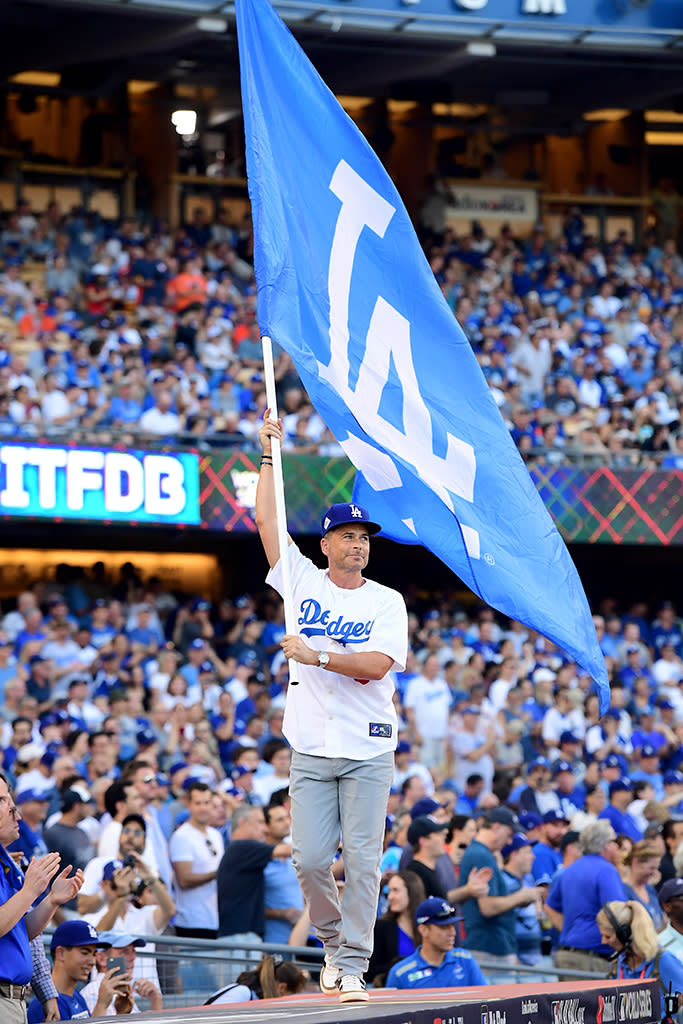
(239, 770)
(538, 762)
(76, 933)
(162, 779)
(568, 838)
(177, 767)
(647, 750)
(191, 779)
(29, 751)
(343, 513)
(26, 795)
(36, 658)
(672, 778)
(145, 737)
(633, 649)
(563, 766)
(543, 675)
(403, 747)
(424, 806)
(647, 710)
(200, 605)
(424, 826)
(502, 816)
(663, 704)
(613, 713)
(76, 794)
(517, 842)
(119, 939)
(197, 644)
(554, 815)
(530, 820)
(672, 889)
(471, 709)
(435, 911)
(620, 786)
(569, 737)
(207, 666)
(110, 868)
(611, 761)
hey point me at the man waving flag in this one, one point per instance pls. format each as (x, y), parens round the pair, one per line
(345, 288)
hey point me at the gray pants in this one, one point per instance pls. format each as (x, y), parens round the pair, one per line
(333, 798)
(12, 1011)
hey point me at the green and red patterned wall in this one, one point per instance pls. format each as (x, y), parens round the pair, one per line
(589, 506)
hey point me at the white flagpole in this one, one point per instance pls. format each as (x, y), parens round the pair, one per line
(280, 510)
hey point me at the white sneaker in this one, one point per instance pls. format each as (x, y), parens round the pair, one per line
(352, 989)
(328, 979)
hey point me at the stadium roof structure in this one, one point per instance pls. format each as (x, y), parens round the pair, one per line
(548, 61)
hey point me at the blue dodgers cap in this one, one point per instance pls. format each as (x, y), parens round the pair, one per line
(611, 761)
(338, 515)
(516, 843)
(197, 645)
(76, 933)
(647, 750)
(403, 747)
(119, 939)
(563, 766)
(435, 911)
(146, 737)
(39, 795)
(110, 868)
(530, 820)
(620, 786)
(539, 762)
(424, 806)
(554, 815)
(672, 778)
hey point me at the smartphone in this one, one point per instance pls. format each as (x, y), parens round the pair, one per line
(117, 963)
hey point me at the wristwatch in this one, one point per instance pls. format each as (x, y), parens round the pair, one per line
(323, 659)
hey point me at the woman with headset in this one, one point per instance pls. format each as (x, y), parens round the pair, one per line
(628, 929)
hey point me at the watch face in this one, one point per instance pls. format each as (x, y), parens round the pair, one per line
(323, 658)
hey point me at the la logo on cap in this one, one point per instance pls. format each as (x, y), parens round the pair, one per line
(356, 512)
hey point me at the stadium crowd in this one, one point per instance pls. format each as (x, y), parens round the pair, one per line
(129, 328)
(142, 729)
(142, 741)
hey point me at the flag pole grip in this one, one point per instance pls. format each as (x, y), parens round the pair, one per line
(280, 509)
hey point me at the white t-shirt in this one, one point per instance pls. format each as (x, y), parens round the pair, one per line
(138, 921)
(430, 702)
(327, 714)
(91, 991)
(198, 907)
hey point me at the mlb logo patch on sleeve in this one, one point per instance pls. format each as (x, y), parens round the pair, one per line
(381, 729)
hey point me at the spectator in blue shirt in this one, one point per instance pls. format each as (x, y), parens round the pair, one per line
(620, 796)
(576, 896)
(436, 964)
(547, 856)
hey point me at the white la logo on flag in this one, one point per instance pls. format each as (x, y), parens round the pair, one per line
(388, 337)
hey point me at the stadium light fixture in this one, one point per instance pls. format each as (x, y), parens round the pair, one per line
(184, 121)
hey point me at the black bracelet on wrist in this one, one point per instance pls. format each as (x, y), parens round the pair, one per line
(266, 461)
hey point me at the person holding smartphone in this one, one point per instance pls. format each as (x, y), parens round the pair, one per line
(117, 960)
(73, 948)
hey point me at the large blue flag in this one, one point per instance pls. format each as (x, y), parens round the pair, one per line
(345, 288)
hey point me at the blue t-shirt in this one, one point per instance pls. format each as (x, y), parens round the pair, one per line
(622, 823)
(282, 890)
(494, 935)
(546, 862)
(70, 1008)
(15, 952)
(528, 926)
(578, 893)
(457, 968)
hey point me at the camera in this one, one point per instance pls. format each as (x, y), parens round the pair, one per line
(129, 861)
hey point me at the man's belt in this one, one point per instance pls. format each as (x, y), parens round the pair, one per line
(589, 952)
(8, 990)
